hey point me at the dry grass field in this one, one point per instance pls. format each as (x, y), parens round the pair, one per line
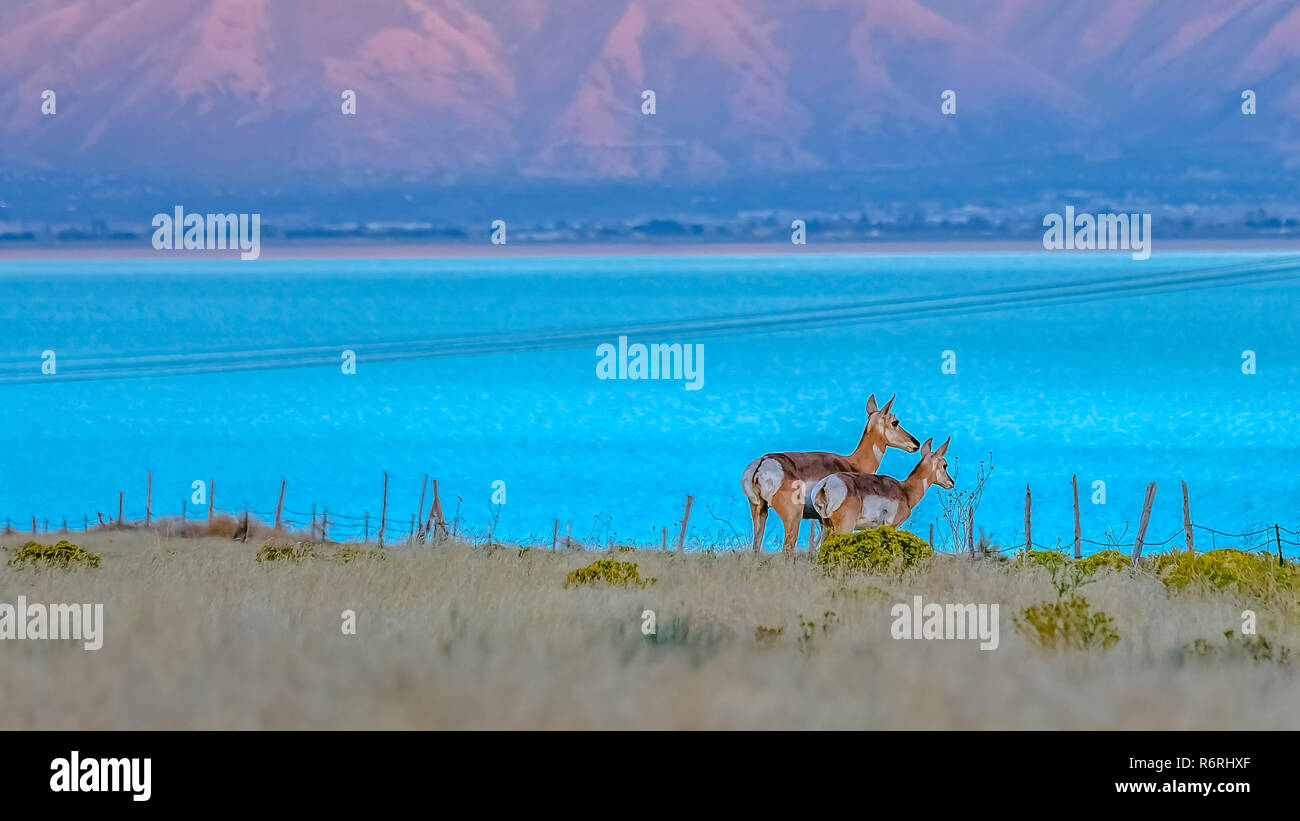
(199, 634)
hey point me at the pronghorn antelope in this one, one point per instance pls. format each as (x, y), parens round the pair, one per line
(846, 502)
(779, 480)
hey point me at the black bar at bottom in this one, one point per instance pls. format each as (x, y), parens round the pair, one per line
(366, 770)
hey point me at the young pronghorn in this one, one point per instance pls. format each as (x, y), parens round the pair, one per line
(846, 502)
(779, 480)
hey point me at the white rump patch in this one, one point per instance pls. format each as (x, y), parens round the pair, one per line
(747, 482)
(768, 476)
(828, 495)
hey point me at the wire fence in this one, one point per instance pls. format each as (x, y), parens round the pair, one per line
(429, 522)
(1269, 539)
(329, 525)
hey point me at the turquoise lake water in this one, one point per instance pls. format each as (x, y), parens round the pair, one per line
(1125, 390)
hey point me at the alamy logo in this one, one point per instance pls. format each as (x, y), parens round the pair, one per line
(946, 621)
(179, 231)
(79, 622)
(654, 361)
(1098, 232)
(77, 774)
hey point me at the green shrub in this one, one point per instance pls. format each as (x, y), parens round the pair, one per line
(1067, 623)
(296, 552)
(1112, 559)
(1256, 648)
(608, 571)
(63, 555)
(1045, 558)
(881, 548)
(349, 553)
(1088, 565)
(1255, 574)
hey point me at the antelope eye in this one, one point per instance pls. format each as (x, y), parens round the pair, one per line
(895, 423)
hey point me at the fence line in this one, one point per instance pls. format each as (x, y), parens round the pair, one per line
(346, 527)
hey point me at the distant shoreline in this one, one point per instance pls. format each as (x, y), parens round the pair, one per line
(303, 250)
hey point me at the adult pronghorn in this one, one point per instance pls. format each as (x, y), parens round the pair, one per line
(779, 480)
(846, 502)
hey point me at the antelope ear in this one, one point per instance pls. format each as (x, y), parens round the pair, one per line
(871, 404)
(944, 447)
(925, 447)
(889, 404)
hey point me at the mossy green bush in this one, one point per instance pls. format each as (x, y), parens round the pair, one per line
(351, 553)
(1256, 648)
(1111, 559)
(1088, 565)
(63, 555)
(1067, 623)
(296, 552)
(881, 548)
(624, 574)
(1045, 558)
(1254, 574)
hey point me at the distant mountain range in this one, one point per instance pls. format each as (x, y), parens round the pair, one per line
(832, 106)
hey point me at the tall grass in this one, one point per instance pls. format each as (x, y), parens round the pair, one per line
(198, 634)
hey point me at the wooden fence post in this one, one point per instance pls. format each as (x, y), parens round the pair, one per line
(34, 531)
(1277, 534)
(1187, 521)
(383, 511)
(325, 524)
(365, 534)
(312, 532)
(212, 498)
(244, 530)
(120, 496)
(555, 533)
(932, 535)
(1078, 532)
(148, 502)
(686, 518)
(279, 504)
(664, 536)
(419, 511)
(1029, 533)
(437, 523)
(1142, 524)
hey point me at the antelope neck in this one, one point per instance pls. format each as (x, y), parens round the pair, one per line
(915, 485)
(871, 447)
